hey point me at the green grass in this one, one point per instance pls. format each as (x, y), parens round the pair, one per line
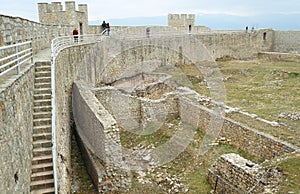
(81, 182)
(259, 87)
(291, 174)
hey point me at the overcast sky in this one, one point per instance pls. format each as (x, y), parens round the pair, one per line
(111, 9)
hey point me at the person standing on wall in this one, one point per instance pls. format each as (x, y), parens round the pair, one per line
(75, 35)
(107, 28)
(103, 26)
(148, 32)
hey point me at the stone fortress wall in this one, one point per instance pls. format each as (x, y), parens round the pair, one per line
(16, 127)
(287, 42)
(16, 100)
(15, 30)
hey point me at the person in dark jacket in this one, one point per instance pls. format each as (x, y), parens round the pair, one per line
(75, 34)
(103, 26)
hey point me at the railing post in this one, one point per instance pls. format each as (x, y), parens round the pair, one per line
(31, 51)
(17, 56)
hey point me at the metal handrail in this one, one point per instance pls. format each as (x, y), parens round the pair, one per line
(62, 42)
(21, 53)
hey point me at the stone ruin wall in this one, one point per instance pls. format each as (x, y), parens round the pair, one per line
(99, 134)
(254, 142)
(231, 173)
(16, 125)
(275, 56)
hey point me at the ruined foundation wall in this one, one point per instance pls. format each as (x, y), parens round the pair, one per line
(231, 173)
(275, 56)
(250, 140)
(16, 125)
(99, 133)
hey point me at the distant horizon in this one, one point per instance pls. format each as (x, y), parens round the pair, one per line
(217, 21)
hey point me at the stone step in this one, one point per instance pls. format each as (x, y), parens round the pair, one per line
(42, 96)
(42, 68)
(40, 115)
(42, 151)
(42, 85)
(42, 74)
(44, 175)
(42, 167)
(42, 91)
(42, 122)
(40, 136)
(42, 159)
(46, 102)
(42, 80)
(50, 190)
(42, 109)
(42, 129)
(42, 143)
(43, 63)
(42, 184)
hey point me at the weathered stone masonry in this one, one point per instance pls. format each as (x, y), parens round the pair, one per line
(66, 69)
(16, 99)
(16, 124)
(15, 30)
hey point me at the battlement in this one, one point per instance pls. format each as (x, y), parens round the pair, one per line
(58, 7)
(55, 14)
(181, 20)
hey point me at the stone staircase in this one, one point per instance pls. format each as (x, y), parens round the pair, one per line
(42, 180)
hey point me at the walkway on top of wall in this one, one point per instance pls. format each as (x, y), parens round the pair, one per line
(7, 80)
(43, 55)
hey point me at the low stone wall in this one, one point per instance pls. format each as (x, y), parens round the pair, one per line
(16, 127)
(231, 173)
(254, 142)
(274, 56)
(15, 30)
(99, 133)
(67, 65)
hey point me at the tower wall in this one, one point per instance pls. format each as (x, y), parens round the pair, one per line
(181, 20)
(53, 14)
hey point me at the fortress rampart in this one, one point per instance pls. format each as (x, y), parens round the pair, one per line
(16, 98)
(15, 30)
(16, 125)
(287, 42)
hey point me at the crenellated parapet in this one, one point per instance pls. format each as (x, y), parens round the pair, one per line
(56, 14)
(181, 20)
